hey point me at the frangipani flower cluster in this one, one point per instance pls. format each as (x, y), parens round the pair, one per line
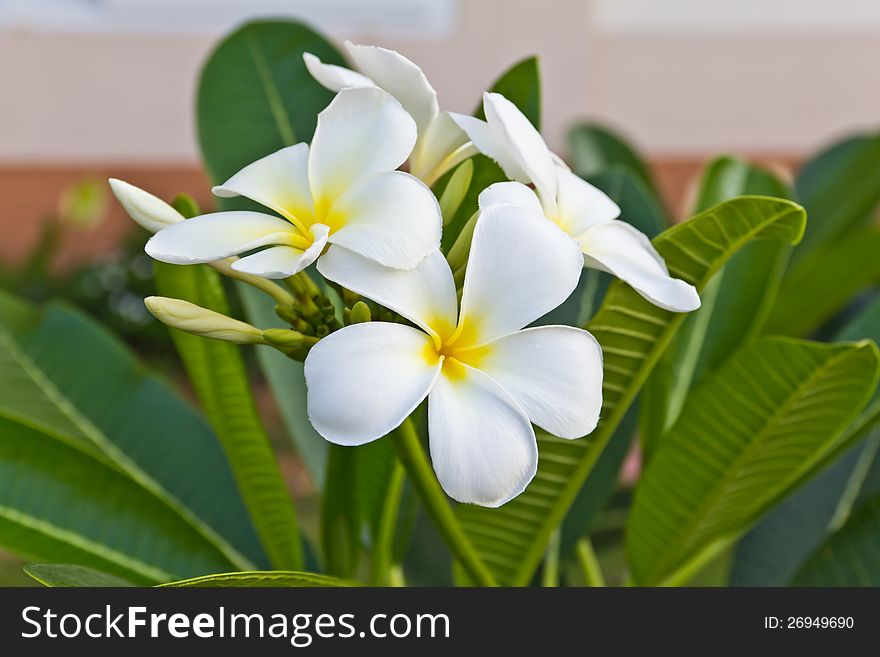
(374, 231)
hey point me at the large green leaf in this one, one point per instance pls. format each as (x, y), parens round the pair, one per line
(840, 188)
(256, 96)
(58, 503)
(65, 376)
(261, 579)
(521, 85)
(735, 304)
(744, 438)
(849, 557)
(772, 552)
(820, 285)
(595, 149)
(633, 334)
(66, 575)
(218, 375)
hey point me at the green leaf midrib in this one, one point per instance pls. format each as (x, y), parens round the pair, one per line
(107, 452)
(682, 539)
(273, 95)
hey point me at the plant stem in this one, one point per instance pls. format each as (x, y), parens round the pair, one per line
(413, 459)
(381, 563)
(274, 290)
(589, 563)
(550, 577)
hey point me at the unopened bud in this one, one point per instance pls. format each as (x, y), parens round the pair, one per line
(194, 319)
(456, 189)
(360, 312)
(149, 211)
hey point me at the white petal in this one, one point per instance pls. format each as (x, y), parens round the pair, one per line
(511, 193)
(149, 211)
(334, 77)
(279, 181)
(400, 77)
(521, 266)
(218, 235)
(489, 145)
(554, 373)
(580, 205)
(440, 148)
(524, 145)
(284, 261)
(391, 217)
(619, 248)
(365, 379)
(424, 295)
(361, 132)
(482, 445)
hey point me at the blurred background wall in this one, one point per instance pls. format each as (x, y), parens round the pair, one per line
(98, 86)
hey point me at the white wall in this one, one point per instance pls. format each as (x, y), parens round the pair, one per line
(681, 76)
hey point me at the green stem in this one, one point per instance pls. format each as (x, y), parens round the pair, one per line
(550, 577)
(412, 456)
(274, 290)
(589, 563)
(381, 563)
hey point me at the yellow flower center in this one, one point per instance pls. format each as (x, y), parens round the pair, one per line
(457, 350)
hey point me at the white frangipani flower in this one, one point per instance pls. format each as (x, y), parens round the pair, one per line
(486, 379)
(441, 144)
(342, 190)
(578, 208)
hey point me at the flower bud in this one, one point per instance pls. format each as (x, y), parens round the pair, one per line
(194, 319)
(360, 312)
(456, 190)
(149, 211)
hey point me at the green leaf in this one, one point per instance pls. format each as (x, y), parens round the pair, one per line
(743, 440)
(594, 150)
(255, 95)
(848, 557)
(840, 188)
(521, 85)
(734, 306)
(67, 575)
(288, 385)
(633, 334)
(820, 285)
(60, 504)
(218, 375)
(261, 579)
(772, 552)
(65, 376)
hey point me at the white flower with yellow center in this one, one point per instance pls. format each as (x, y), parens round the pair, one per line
(486, 379)
(441, 144)
(581, 210)
(342, 190)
